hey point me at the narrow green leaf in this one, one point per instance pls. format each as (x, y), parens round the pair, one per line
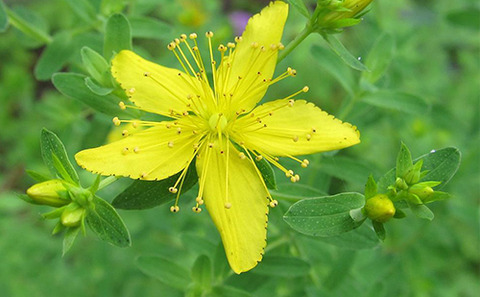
(324, 216)
(73, 85)
(224, 290)
(69, 239)
(468, 18)
(370, 187)
(147, 194)
(300, 6)
(52, 147)
(37, 176)
(379, 58)
(3, 17)
(441, 165)
(340, 269)
(62, 171)
(54, 56)
(107, 7)
(397, 101)
(379, 230)
(84, 9)
(104, 220)
(335, 66)
(27, 26)
(421, 211)
(343, 53)
(197, 243)
(345, 168)
(117, 35)
(295, 191)
(95, 88)
(436, 196)
(146, 27)
(282, 266)
(202, 272)
(164, 270)
(404, 161)
(96, 66)
(360, 238)
(267, 173)
(220, 265)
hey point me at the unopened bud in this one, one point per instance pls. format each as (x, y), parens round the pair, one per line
(379, 208)
(423, 192)
(412, 176)
(49, 193)
(73, 215)
(341, 10)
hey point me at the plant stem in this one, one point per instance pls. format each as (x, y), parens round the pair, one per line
(294, 43)
(107, 181)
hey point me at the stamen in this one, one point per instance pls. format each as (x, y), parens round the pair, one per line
(174, 208)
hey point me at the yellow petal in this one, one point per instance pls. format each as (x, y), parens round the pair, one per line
(280, 128)
(152, 154)
(160, 91)
(243, 226)
(264, 29)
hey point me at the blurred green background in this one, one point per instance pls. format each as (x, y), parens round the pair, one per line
(433, 56)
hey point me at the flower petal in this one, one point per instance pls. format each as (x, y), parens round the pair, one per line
(161, 91)
(264, 29)
(152, 154)
(243, 226)
(278, 129)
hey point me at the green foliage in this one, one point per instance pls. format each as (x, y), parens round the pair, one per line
(118, 35)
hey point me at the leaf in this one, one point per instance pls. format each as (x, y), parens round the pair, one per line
(146, 27)
(334, 65)
(99, 90)
(343, 53)
(202, 272)
(267, 173)
(54, 56)
(404, 161)
(27, 26)
(421, 211)
(345, 168)
(324, 216)
(52, 147)
(379, 58)
(84, 9)
(197, 243)
(282, 266)
(360, 238)
(224, 290)
(165, 271)
(37, 176)
(370, 188)
(3, 17)
(441, 165)
(300, 6)
(73, 85)
(468, 18)
(69, 239)
(295, 191)
(147, 194)
(104, 220)
(379, 230)
(397, 101)
(117, 35)
(340, 269)
(96, 66)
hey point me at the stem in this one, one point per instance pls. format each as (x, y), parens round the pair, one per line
(27, 28)
(294, 43)
(107, 181)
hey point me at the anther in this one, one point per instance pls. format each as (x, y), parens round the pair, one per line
(173, 190)
(254, 45)
(293, 179)
(170, 144)
(179, 130)
(291, 102)
(305, 163)
(193, 35)
(273, 203)
(143, 175)
(297, 177)
(131, 90)
(185, 113)
(146, 74)
(174, 208)
(183, 37)
(259, 158)
(222, 48)
(228, 205)
(231, 45)
(196, 209)
(305, 89)
(116, 121)
(136, 149)
(209, 34)
(280, 46)
(314, 130)
(308, 136)
(177, 41)
(125, 151)
(135, 124)
(171, 46)
(242, 155)
(199, 200)
(289, 173)
(125, 133)
(295, 138)
(273, 47)
(238, 39)
(122, 105)
(210, 145)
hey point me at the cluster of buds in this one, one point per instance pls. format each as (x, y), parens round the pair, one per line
(336, 14)
(70, 202)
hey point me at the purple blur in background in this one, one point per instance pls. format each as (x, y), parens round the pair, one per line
(239, 20)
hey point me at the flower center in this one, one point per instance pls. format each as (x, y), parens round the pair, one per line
(217, 122)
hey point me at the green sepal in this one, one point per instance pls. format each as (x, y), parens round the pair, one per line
(436, 196)
(54, 214)
(379, 230)
(96, 66)
(358, 215)
(3, 17)
(399, 214)
(69, 239)
(37, 176)
(404, 161)
(164, 270)
(370, 188)
(421, 211)
(58, 228)
(54, 56)
(95, 88)
(202, 273)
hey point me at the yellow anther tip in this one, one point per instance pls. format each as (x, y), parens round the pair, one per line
(228, 205)
(116, 121)
(122, 105)
(305, 89)
(174, 208)
(193, 35)
(125, 133)
(196, 209)
(173, 190)
(171, 46)
(209, 34)
(183, 36)
(273, 203)
(231, 45)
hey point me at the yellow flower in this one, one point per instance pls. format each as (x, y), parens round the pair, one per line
(208, 118)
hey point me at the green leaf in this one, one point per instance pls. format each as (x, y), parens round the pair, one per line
(164, 270)
(267, 173)
(197, 243)
(73, 85)
(96, 66)
(104, 220)
(324, 216)
(282, 266)
(54, 56)
(3, 17)
(107, 7)
(343, 53)
(147, 194)
(421, 211)
(69, 239)
(340, 269)
(379, 58)
(436, 196)
(146, 27)
(334, 65)
(84, 9)
(27, 26)
(379, 230)
(345, 168)
(117, 35)
(404, 161)
(99, 90)
(468, 18)
(300, 6)
(360, 238)
(202, 272)
(224, 290)
(51, 148)
(441, 165)
(37, 176)
(295, 191)
(370, 188)
(397, 101)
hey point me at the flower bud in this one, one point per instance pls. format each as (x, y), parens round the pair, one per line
(423, 192)
(401, 184)
(72, 215)
(412, 176)
(379, 208)
(340, 10)
(49, 193)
